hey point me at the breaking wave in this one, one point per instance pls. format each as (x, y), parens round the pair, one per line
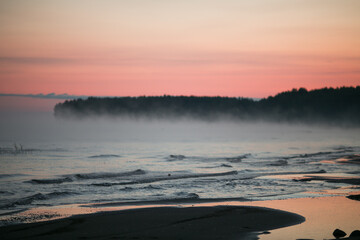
(107, 174)
(87, 176)
(165, 178)
(35, 197)
(51, 181)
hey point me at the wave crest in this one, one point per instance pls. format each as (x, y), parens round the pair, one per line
(32, 198)
(87, 176)
(166, 178)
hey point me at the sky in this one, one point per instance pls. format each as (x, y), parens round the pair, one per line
(248, 48)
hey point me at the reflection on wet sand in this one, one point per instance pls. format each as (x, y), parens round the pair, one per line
(323, 215)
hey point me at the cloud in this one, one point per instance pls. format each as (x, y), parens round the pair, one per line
(46, 96)
(34, 60)
(184, 58)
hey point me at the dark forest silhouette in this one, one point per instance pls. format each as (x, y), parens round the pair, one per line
(327, 105)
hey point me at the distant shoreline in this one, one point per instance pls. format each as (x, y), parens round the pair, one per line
(327, 105)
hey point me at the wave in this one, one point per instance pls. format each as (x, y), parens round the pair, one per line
(175, 157)
(281, 162)
(226, 165)
(237, 158)
(12, 175)
(105, 156)
(166, 178)
(107, 174)
(307, 155)
(5, 193)
(106, 184)
(130, 202)
(316, 154)
(38, 196)
(344, 149)
(187, 195)
(86, 176)
(50, 181)
(151, 187)
(220, 166)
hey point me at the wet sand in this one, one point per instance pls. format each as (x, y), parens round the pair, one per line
(323, 215)
(216, 222)
(194, 219)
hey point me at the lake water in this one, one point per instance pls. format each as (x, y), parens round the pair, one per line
(50, 162)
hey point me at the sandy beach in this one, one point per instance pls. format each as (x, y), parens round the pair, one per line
(180, 120)
(301, 218)
(221, 222)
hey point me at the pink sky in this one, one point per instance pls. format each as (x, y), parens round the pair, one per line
(248, 48)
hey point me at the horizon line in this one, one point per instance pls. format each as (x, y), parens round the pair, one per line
(65, 96)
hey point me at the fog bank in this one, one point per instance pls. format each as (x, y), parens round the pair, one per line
(28, 127)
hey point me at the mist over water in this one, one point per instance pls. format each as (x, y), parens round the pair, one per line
(29, 127)
(47, 161)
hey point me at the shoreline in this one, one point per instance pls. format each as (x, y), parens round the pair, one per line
(195, 220)
(200, 222)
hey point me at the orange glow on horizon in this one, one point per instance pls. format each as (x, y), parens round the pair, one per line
(213, 48)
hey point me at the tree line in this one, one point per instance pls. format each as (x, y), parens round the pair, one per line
(331, 105)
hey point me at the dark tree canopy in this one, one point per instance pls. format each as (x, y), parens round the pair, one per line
(327, 105)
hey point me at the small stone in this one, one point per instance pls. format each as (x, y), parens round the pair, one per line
(354, 197)
(355, 233)
(339, 233)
